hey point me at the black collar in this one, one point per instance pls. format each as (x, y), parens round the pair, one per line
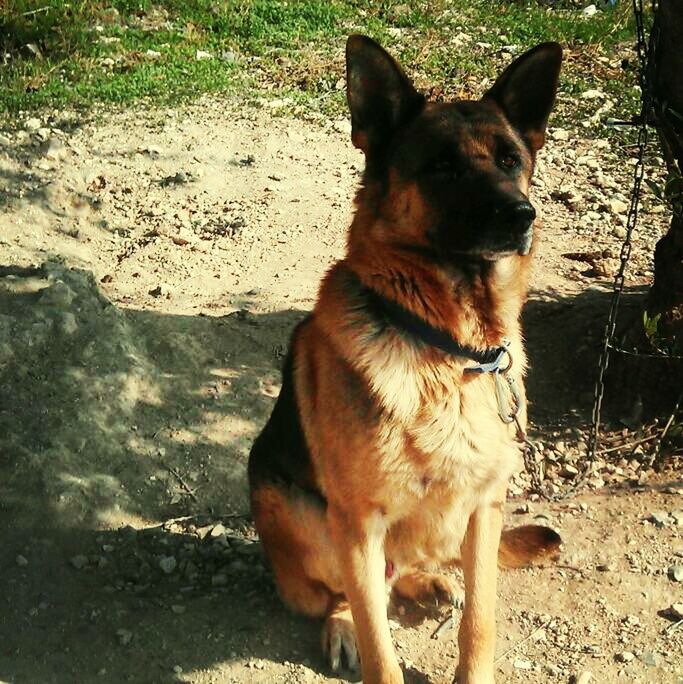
(391, 313)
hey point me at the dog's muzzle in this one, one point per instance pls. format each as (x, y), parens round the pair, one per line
(518, 218)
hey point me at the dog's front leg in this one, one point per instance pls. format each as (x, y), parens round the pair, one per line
(359, 543)
(479, 551)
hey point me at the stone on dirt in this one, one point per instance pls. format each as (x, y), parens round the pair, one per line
(522, 664)
(660, 519)
(125, 636)
(168, 564)
(625, 657)
(676, 573)
(79, 562)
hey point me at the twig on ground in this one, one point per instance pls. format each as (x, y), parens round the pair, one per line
(182, 482)
(570, 567)
(445, 625)
(519, 643)
(672, 628)
(36, 11)
(170, 521)
(665, 431)
(626, 445)
(184, 518)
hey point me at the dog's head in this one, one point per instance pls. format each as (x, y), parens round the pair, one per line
(450, 179)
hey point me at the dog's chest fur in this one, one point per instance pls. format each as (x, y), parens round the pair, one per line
(442, 448)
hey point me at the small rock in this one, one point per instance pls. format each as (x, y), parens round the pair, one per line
(32, 124)
(229, 56)
(583, 677)
(201, 55)
(125, 636)
(624, 657)
(161, 290)
(559, 134)
(79, 562)
(592, 94)
(178, 609)
(605, 567)
(54, 149)
(677, 517)
(153, 151)
(616, 206)
(202, 532)
(218, 531)
(660, 519)
(676, 573)
(21, 561)
(177, 669)
(153, 54)
(522, 664)
(569, 472)
(168, 564)
(589, 10)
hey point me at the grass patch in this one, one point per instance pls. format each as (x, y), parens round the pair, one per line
(73, 54)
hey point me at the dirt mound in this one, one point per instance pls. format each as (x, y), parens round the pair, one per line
(109, 413)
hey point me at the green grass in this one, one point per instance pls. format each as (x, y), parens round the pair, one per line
(96, 51)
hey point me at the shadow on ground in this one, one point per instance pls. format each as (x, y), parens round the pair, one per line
(564, 339)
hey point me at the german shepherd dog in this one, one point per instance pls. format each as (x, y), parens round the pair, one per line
(385, 457)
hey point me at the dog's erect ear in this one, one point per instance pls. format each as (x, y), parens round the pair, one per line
(381, 97)
(525, 91)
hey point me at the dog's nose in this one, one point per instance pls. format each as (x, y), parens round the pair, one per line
(518, 215)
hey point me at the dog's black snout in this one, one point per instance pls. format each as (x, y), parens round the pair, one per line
(519, 215)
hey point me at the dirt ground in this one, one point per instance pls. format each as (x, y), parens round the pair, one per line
(153, 265)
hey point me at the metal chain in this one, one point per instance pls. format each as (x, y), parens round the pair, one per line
(533, 468)
(645, 54)
(532, 465)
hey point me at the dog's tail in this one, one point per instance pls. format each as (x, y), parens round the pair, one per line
(522, 546)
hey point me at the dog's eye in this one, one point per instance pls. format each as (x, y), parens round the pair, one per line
(509, 161)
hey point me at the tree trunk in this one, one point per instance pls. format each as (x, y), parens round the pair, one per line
(666, 296)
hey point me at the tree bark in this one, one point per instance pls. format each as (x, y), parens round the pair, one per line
(666, 296)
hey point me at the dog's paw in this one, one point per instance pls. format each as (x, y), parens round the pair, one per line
(424, 586)
(339, 640)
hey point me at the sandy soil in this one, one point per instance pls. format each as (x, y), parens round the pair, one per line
(130, 398)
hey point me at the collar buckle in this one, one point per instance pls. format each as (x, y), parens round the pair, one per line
(495, 366)
(508, 397)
